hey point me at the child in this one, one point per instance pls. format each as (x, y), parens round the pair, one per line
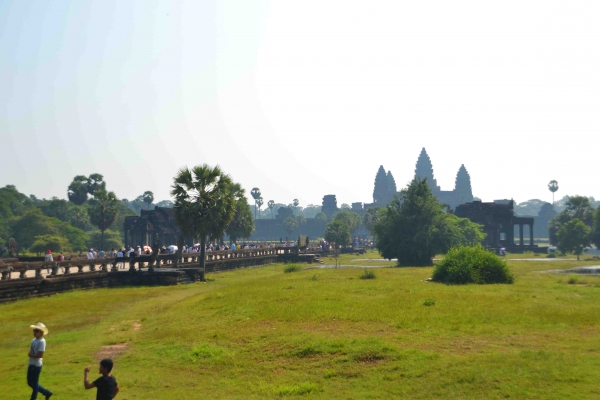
(36, 352)
(107, 384)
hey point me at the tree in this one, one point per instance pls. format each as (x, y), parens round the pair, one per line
(50, 242)
(414, 228)
(271, 205)
(31, 224)
(259, 203)
(295, 202)
(165, 204)
(78, 190)
(553, 187)
(462, 231)
(12, 247)
(242, 224)
(371, 217)
(112, 240)
(321, 217)
(576, 207)
(148, 198)
(596, 229)
(337, 232)
(204, 204)
(573, 237)
(301, 220)
(103, 210)
(290, 224)
(350, 218)
(255, 193)
(95, 182)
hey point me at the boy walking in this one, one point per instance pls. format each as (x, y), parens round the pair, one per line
(36, 354)
(107, 384)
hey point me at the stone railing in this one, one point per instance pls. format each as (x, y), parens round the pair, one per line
(28, 270)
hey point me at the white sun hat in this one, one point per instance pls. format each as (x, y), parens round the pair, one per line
(40, 327)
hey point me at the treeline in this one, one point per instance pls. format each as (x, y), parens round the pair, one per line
(92, 217)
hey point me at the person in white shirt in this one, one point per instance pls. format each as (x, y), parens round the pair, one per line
(138, 251)
(119, 255)
(36, 354)
(90, 254)
(48, 258)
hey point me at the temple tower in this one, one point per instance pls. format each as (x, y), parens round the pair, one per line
(391, 186)
(424, 169)
(381, 187)
(462, 187)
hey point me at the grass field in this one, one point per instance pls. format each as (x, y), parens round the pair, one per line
(322, 333)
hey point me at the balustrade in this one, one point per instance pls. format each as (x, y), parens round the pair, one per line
(84, 265)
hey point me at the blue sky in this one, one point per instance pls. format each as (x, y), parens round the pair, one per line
(300, 98)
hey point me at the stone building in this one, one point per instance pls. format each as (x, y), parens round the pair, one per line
(462, 192)
(140, 230)
(385, 185)
(499, 222)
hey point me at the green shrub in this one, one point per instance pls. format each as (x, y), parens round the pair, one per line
(291, 268)
(465, 264)
(368, 275)
(551, 255)
(429, 302)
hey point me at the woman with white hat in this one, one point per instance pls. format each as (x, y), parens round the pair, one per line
(36, 354)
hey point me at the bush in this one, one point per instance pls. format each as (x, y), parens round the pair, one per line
(291, 268)
(368, 275)
(429, 302)
(472, 265)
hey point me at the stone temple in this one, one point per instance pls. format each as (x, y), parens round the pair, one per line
(385, 186)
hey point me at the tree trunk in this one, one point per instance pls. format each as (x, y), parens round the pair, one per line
(202, 258)
(102, 241)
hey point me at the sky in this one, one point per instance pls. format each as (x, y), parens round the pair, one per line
(301, 98)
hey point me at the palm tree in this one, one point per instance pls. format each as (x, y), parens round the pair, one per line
(553, 187)
(271, 205)
(255, 193)
(104, 210)
(148, 198)
(259, 203)
(204, 204)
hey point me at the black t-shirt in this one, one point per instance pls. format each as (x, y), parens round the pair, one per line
(106, 387)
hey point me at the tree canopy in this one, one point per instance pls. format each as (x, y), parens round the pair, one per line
(104, 210)
(242, 224)
(204, 204)
(576, 207)
(350, 218)
(573, 237)
(414, 227)
(290, 224)
(337, 232)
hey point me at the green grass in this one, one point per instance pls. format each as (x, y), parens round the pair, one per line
(262, 333)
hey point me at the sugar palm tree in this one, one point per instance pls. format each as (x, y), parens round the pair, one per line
(271, 205)
(204, 204)
(104, 210)
(259, 203)
(255, 193)
(553, 187)
(148, 198)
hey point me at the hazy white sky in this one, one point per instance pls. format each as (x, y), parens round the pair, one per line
(301, 98)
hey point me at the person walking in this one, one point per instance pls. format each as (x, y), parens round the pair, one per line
(49, 258)
(36, 354)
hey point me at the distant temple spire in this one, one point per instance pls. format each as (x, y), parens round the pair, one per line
(424, 169)
(391, 185)
(462, 187)
(380, 191)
